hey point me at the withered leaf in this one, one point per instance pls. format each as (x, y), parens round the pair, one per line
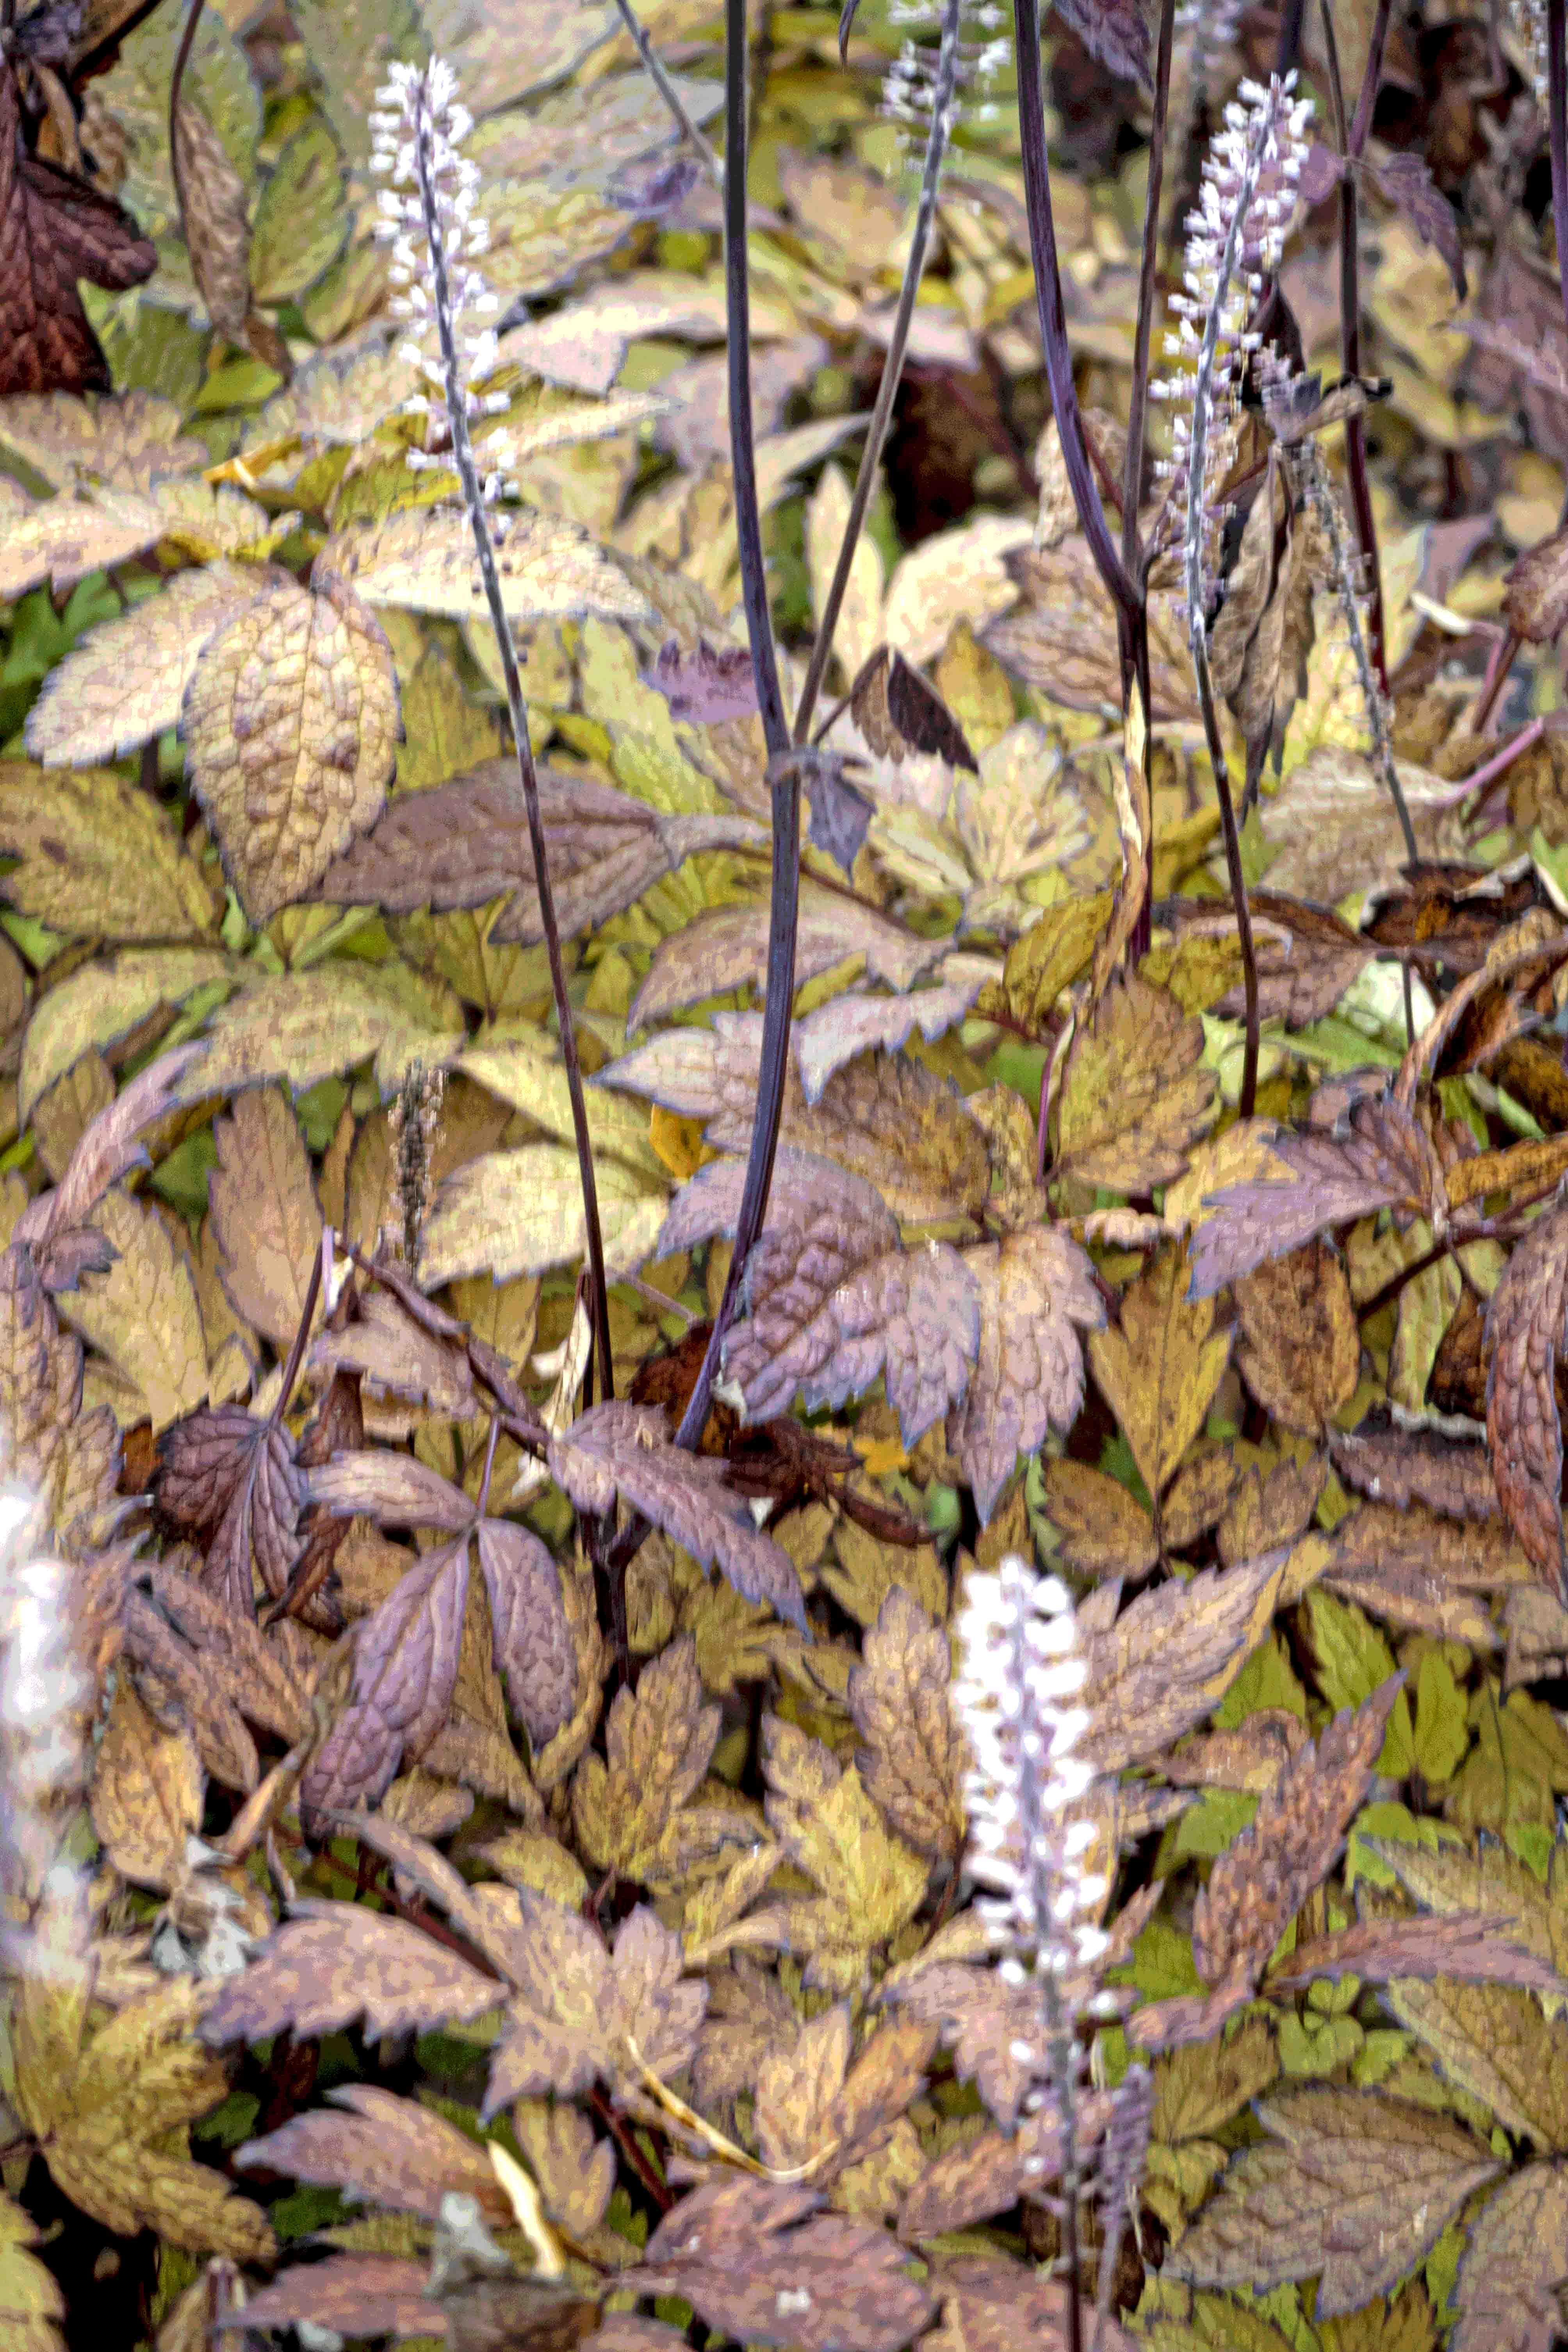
(292, 721)
(1515, 2257)
(1061, 639)
(833, 1298)
(1170, 1657)
(1525, 1326)
(990, 2305)
(1405, 179)
(147, 1791)
(465, 842)
(657, 1745)
(391, 2152)
(1535, 598)
(331, 1963)
(214, 217)
(533, 1640)
(265, 1217)
(1036, 1293)
(217, 1669)
(1474, 1946)
(1300, 1348)
(578, 2007)
(107, 2110)
(54, 231)
(380, 2294)
(622, 1449)
(1105, 1531)
(704, 683)
(912, 1761)
(1262, 1879)
(728, 948)
(759, 2264)
(1377, 1158)
(857, 1022)
(1134, 1097)
(1353, 2185)
(229, 1479)
(1401, 1466)
(1160, 1367)
(404, 1668)
(898, 713)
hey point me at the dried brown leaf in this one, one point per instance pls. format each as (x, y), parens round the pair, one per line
(1493, 2040)
(1171, 1657)
(1401, 1466)
(214, 215)
(1036, 1293)
(912, 1762)
(1300, 1348)
(147, 1791)
(1104, 1530)
(1515, 2257)
(992, 2305)
(392, 2152)
(331, 1963)
(833, 1298)
(266, 1218)
(728, 948)
(745, 2254)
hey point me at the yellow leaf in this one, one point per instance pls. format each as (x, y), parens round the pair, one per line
(676, 1143)
(143, 1313)
(1160, 1367)
(290, 723)
(97, 857)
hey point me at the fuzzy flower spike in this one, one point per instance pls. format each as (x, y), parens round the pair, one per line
(1234, 239)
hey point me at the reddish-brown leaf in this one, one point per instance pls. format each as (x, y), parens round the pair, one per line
(230, 1480)
(1473, 1945)
(1515, 2258)
(389, 2151)
(1525, 1331)
(54, 231)
(533, 1647)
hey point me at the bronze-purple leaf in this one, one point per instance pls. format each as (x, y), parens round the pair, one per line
(533, 1640)
(898, 713)
(330, 1964)
(624, 1449)
(230, 1480)
(760, 2264)
(404, 1667)
(704, 683)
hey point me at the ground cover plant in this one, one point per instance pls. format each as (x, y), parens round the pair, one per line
(784, 812)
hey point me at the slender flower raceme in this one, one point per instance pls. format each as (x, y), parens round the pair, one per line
(1029, 1842)
(45, 1705)
(1233, 242)
(437, 238)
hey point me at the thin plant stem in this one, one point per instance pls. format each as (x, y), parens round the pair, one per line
(1557, 126)
(1138, 405)
(892, 367)
(484, 547)
(779, 1007)
(1352, 148)
(1061, 2055)
(1119, 581)
(658, 75)
(176, 83)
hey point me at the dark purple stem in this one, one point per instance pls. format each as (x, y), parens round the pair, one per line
(1557, 121)
(1138, 405)
(1349, 337)
(780, 1004)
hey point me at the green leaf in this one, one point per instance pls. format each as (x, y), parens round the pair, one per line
(1442, 1725)
(1352, 1660)
(301, 220)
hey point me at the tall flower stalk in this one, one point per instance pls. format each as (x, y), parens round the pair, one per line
(430, 218)
(1234, 239)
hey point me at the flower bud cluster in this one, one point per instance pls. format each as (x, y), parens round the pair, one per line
(985, 54)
